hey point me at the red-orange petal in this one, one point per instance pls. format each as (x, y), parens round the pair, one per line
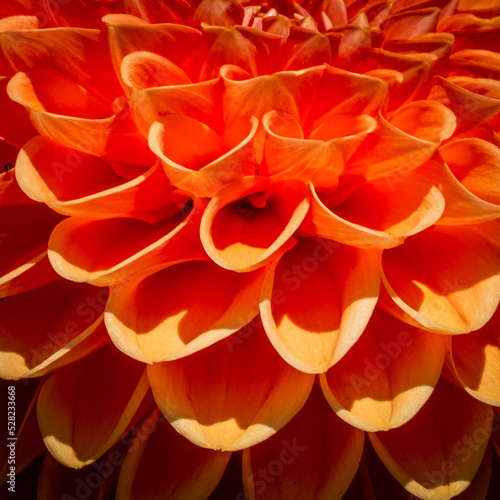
(438, 452)
(76, 183)
(262, 215)
(387, 376)
(451, 295)
(62, 316)
(309, 322)
(181, 309)
(241, 400)
(475, 361)
(408, 24)
(315, 456)
(73, 431)
(162, 464)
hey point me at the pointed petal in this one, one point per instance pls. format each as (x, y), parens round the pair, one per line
(309, 322)
(218, 13)
(321, 157)
(66, 112)
(475, 361)
(181, 309)
(102, 253)
(198, 160)
(62, 316)
(262, 216)
(410, 23)
(437, 453)
(74, 432)
(315, 456)
(158, 11)
(242, 399)
(76, 183)
(387, 376)
(446, 278)
(163, 464)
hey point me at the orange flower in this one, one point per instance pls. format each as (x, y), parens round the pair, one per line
(250, 249)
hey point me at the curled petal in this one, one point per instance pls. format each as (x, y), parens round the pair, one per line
(76, 183)
(321, 157)
(76, 434)
(101, 252)
(438, 452)
(315, 455)
(402, 26)
(387, 376)
(198, 160)
(161, 463)
(475, 63)
(262, 216)
(252, 50)
(181, 309)
(471, 105)
(308, 321)
(248, 395)
(413, 134)
(447, 295)
(62, 316)
(475, 361)
(179, 44)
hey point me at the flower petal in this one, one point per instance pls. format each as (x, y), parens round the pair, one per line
(387, 376)
(162, 464)
(262, 216)
(181, 309)
(402, 26)
(76, 183)
(438, 452)
(447, 295)
(74, 432)
(241, 400)
(315, 456)
(102, 253)
(309, 322)
(475, 361)
(62, 314)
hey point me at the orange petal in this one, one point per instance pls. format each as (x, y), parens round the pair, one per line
(413, 134)
(475, 361)
(410, 23)
(15, 124)
(76, 183)
(62, 314)
(80, 54)
(74, 433)
(196, 101)
(470, 103)
(387, 376)
(142, 70)
(67, 113)
(446, 278)
(308, 321)
(241, 400)
(262, 216)
(181, 309)
(196, 159)
(461, 206)
(179, 44)
(75, 13)
(101, 252)
(252, 50)
(305, 48)
(314, 456)
(158, 11)
(438, 452)
(475, 63)
(162, 464)
(23, 238)
(321, 157)
(218, 13)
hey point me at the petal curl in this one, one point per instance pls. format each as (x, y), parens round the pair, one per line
(387, 376)
(248, 395)
(308, 321)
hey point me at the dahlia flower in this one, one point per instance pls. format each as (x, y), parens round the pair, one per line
(250, 249)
